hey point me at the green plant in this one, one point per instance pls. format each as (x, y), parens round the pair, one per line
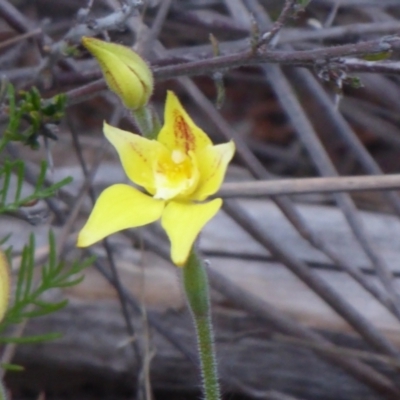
(28, 118)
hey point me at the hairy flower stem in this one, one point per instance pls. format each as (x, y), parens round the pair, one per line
(147, 121)
(195, 283)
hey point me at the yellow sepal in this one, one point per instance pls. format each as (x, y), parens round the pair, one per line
(119, 207)
(183, 221)
(212, 163)
(138, 155)
(179, 131)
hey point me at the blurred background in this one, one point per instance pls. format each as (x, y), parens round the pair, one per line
(305, 290)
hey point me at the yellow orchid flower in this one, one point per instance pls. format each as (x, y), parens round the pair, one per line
(179, 171)
(125, 72)
(4, 284)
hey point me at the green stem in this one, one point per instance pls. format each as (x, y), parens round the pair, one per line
(147, 122)
(195, 283)
(3, 143)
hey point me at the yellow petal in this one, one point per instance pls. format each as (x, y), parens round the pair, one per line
(119, 207)
(138, 155)
(125, 72)
(4, 284)
(212, 163)
(179, 131)
(183, 222)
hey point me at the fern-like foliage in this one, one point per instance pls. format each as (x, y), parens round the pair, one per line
(32, 284)
(16, 169)
(30, 117)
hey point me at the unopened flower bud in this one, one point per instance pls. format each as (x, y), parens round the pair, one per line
(125, 72)
(4, 284)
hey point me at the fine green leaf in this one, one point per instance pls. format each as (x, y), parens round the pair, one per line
(47, 337)
(12, 367)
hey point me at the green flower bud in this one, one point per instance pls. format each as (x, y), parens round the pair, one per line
(125, 72)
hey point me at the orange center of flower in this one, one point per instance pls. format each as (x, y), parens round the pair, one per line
(176, 175)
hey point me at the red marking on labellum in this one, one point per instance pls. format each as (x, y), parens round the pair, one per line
(183, 133)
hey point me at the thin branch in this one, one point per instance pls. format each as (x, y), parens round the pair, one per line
(146, 44)
(307, 58)
(269, 314)
(309, 185)
(19, 38)
(286, 13)
(74, 35)
(383, 67)
(14, 17)
(302, 58)
(315, 282)
(291, 35)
